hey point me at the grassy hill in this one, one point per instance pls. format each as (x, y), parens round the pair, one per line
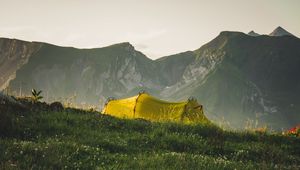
(43, 136)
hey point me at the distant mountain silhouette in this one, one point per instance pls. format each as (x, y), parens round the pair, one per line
(279, 31)
(252, 33)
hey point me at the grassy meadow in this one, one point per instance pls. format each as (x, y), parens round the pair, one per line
(37, 137)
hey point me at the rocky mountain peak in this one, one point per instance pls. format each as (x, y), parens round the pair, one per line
(253, 33)
(126, 45)
(279, 31)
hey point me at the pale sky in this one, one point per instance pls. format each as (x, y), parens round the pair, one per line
(155, 27)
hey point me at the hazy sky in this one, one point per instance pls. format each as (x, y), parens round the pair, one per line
(155, 27)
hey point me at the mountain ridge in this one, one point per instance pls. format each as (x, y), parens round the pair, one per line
(223, 47)
(235, 76)
(128, 44)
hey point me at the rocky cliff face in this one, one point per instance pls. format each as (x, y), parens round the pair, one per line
(241, 77)
(89, 74)
(13, 55)
(235, 76)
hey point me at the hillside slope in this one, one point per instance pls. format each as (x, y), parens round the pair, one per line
(40, 138)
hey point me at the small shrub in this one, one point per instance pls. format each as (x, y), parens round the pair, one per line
(56, 106)
(36, 95)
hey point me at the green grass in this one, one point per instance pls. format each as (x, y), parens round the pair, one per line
(88, 140)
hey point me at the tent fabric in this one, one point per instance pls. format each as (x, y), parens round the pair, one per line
(147, 107)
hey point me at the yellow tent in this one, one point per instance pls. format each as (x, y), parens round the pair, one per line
(149, 108)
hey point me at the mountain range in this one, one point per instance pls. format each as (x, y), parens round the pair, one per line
(238, 77)
(279, 31)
